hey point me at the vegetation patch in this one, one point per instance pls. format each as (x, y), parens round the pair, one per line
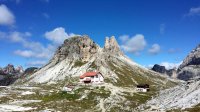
(79, 63)
(60, 96)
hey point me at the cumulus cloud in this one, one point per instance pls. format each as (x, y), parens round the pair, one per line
(133, 44)
(194, 11)
(32, 49)
(25, 53)
(155, 49)
(36, 63)
(169, 65)
(124, 38)
(6, 16)
(58, 35)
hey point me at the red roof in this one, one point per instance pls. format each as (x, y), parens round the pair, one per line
(88, 74)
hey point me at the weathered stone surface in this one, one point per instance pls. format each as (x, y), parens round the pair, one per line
(192, 59)
(10, 74)
(78, 47)
(112, 46)
(190, 68)
(158, 68)
(161, 69)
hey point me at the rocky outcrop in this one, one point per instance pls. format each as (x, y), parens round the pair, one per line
(161, 69)
(193, 58)
(112, 46)
(11, 70)
(78, 48)
(172, 73)
(10, 74)
(190, 68)
(30, 70)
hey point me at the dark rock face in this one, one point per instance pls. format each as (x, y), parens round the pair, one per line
(172, 73)
(7, 81)
(9, 69)
(159, 69)
(30, 70)
(163, 70)
(190, 68)
(10, 74)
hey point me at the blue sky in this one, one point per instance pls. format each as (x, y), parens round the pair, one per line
(149, 32)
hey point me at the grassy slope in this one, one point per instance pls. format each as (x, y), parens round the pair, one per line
(128, 77)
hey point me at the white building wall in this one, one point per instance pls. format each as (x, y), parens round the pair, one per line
(96, 79)
(141, 89)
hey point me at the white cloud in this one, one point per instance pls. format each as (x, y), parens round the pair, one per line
(58, 35)
(25, 53)
(155, 49)
(194, 11)
(162, 28)
(6, 16)
(35, 49)
(36, 63)
(124, 38)
(134, 44)
(169, 65)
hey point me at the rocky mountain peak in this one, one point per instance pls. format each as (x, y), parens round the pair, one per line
(190, 68)
(192, 59)
(112, 46)
(9, 69)
(83, 48)
(77, 47)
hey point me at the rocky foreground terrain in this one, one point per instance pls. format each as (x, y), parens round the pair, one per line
(41, 90)
(184, 97)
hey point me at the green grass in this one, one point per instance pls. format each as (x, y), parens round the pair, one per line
(129, 77)
(79, 63)
(60, 96)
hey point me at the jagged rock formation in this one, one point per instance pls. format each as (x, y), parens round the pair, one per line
(10, 74)
(172, 73)
(81, 49)
(190, 67)
(80, 54)
(112, 46)
(11, 70)
(161, 69)
(30, 70)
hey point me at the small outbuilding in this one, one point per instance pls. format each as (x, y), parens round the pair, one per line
(92, 77)
(143, 88)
